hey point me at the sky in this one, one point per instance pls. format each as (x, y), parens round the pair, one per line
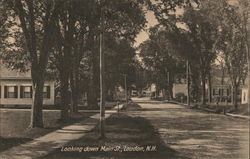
(143, 35)
(152, 21)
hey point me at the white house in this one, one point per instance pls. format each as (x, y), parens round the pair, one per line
(149, 91)
(179, 88)
(244, 96)
(16, 88)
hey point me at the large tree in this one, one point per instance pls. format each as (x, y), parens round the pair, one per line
(63, 52)
(3, 18)
(233, 42)
(84, 43)
(119, 62)
(201, 33)
(121, 19)
(160, 58)
(31, 25)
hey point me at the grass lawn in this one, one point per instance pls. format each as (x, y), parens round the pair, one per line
(126, 137)
(14, 124)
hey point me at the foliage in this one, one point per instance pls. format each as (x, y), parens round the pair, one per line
(233, 40)
(159, 57)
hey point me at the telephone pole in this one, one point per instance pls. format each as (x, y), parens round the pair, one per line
(188, 83)
(102, 82)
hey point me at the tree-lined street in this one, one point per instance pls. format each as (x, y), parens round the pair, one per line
(175, 131)
(84, 57)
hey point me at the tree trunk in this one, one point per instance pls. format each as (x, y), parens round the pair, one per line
(248, 79)
(92, 95)
(110, 94)
(37, 102)
(234, 94)
(139, 92)
(69, 23)
(195, 81)
(74, 99)
(79, 45)
(222, 81)
(170, 90)
(209, 88)
(38, 61)
(74, 84)
(203, 89)
(164, 94)
(91, 98)
(93, 86)
(65, 77)
(65, 96)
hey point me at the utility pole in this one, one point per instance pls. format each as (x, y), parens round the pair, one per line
(125, 87)
(102, 83)
(188, 82)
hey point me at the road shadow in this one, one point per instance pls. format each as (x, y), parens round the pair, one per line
(122, 132)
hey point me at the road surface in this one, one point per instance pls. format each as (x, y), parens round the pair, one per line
(195, 134)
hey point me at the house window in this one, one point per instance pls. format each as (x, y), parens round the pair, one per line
(239, 92)
(216, 92)
(26, 91)
(10, 91)
(46, 92)
(225, 92)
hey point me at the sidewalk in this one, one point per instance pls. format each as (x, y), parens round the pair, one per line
(46, 144)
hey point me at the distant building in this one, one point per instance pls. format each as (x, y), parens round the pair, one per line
(149, 91)
(222, 88)
(179, 88)
(244, 96)
(16, 88)
(134, 93)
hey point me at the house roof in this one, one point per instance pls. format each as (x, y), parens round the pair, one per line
(6, 73)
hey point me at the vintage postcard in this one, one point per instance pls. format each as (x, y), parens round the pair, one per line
(116, 79)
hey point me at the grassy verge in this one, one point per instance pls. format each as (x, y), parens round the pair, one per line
(131, 106)
(126, 137)
(14, 124)
(220, 108)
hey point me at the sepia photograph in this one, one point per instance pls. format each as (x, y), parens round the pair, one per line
(124, 79)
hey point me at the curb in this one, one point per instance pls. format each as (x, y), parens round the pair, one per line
(238, 116)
